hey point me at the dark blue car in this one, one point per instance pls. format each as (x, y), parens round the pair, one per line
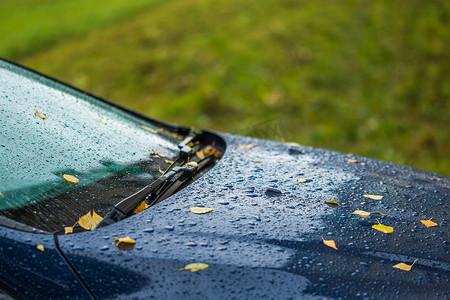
(97, 201)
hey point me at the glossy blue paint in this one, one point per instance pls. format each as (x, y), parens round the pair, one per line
(269, 245)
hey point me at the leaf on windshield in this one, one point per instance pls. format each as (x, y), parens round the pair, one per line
(247, 146)
(101, 121)
(42, 116)
(68, 229)
(352, 160)
(149, 129)
(428, 223)
(302, 180)
(329, 243)
(199, 210)
(195, 267)
(90, 220)
(70, 178)
(404, 267)
(366, 214)
(383, 228)
(141, 207)
(40, 247)
(125, 240)
(373, 197)
(332, 203)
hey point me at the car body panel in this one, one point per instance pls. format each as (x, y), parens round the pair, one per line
(259, 243)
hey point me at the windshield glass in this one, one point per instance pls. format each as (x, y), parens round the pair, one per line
(49, 130)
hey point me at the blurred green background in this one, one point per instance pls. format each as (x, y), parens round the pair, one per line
(363, 77)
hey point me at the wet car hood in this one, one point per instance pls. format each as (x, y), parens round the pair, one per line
(261, 243)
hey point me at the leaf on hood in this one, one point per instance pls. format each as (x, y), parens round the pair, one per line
(366, 214)
(40, 247)
(141, 207)
(247, 146)
(332, 203)
(125, 240)
(352, 160)
(90, 220)
(42, 116)
(101, 121)
(149, 129)
(373, 197)
(199, 210)
(329, 243)
(428, 223)
(302, 180)
(383, 228)
(404, 267)
(70, 178)
(195, 267)
(68, 230)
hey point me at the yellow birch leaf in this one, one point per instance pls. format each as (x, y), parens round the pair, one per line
(374, 197)
(1, 194)
(247, 146)
(70, 178)
(351, 160)
(361, 213)
(169, 162)
(160, 155)
(302, 180)
(329, 243)
(209, 150)
(201, 210)
(149, 129)
(141, 207)
(218, 154)
(383, 228)
(90, 220)
(332, 203)
(195, 267)
(404, 267)
(68, 230)
(126, 240)
(428, 223)
(101, 121)
(200, 154)
(40, 247)
(42, 116)
(160, 171)
(192, 164)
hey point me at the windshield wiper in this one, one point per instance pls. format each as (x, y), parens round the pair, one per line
(178, 173)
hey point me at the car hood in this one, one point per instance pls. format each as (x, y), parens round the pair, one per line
(264, 237)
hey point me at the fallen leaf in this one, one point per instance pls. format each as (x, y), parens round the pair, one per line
(126, 240)
(247, 146)
(302, 180)
(332, 203)
(329, 243)
(70, 178)
(383, 228)
(199, 210)
(149, 129)
(42, 116)
(361, 213)
(160, 171)
(68, 230)
(353, 160)
(40, 247)
(209, 150)
(1, 194)
(141, 207)
(258, 161)
(218, 154)
(195, 267)
(169, 162)
(404, 267)
(192, 164)
(366, 214)
(374, 197)
(428, 223)
(90, 220)
(200, 154)
(160, 155)
(101, 121)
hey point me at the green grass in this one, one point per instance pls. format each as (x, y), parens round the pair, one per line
(368, 77)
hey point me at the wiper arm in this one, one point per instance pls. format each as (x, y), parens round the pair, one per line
(125, 207)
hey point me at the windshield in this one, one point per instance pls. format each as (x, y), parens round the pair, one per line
(49, 131)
